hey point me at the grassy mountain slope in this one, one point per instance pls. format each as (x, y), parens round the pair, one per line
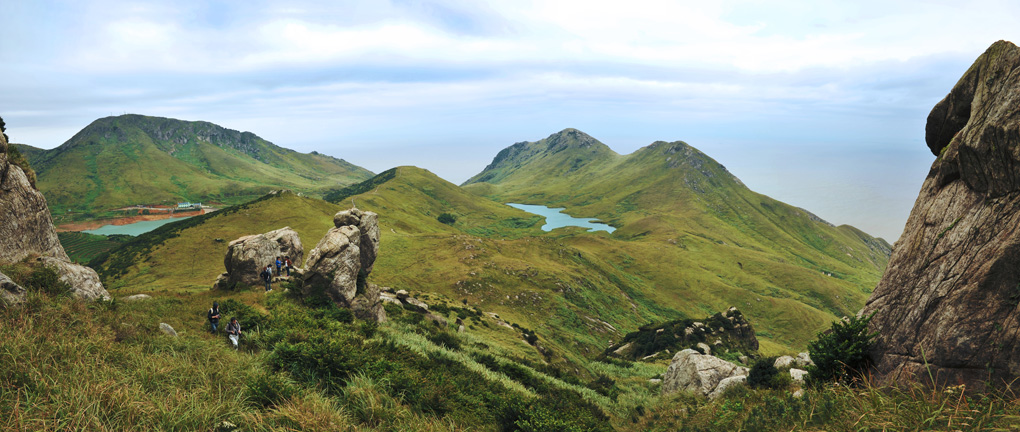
(693, 234)
(577, 291)
(132, 159)
(186, 256)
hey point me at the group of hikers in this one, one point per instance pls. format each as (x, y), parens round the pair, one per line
(233, 327)
(282, 263)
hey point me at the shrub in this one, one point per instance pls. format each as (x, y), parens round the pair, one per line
(447, 218)
(841, 353)
(763, 373)
(267, 390)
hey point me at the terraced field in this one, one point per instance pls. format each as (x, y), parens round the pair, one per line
(83, 247)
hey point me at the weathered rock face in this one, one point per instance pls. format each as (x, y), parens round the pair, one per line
(341, 262)
(695, 372)
(27, 230)
(248, 255)
(84, 281)
(950, 296)
(25, 225)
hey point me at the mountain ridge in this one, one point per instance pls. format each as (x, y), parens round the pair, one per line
(130, 159)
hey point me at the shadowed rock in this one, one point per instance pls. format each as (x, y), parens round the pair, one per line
(339, 265)
(248, 255)
(11, 294)
(947, 305)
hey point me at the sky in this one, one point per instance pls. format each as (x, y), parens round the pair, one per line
(820, 104)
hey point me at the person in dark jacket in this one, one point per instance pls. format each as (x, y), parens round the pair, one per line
(234, 331)
(267, 277)
(214, 316)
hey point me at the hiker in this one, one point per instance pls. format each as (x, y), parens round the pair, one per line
(267, 276)
(288, 264)
(279, 263)
(214, 316)
(234, 331)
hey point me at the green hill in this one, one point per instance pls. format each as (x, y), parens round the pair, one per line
(577, 291)
(133, 159)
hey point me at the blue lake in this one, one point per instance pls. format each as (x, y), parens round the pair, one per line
(134, 229)
(555, 218)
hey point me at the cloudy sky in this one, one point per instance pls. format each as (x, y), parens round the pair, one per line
(817, 103)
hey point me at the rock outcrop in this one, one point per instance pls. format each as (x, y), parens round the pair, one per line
(723, 332)
(26, 230)
(248, 255)
(947, 305)
(339, 265)
(695, 372)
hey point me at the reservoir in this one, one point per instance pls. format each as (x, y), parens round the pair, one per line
(133, 229)
(555, 218)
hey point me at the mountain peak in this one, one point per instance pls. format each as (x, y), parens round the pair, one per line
(565, 151)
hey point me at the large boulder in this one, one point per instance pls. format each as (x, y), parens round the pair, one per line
(695, 372)
(84, 281)
(26, 230)
(334, 264)
(248, 255)
(947, 304)
(341, 262)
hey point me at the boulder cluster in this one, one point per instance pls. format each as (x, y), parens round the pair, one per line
(338, 266)
(723, 332)
(27, 231)
(710, 376)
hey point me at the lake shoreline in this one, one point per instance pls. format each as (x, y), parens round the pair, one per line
(96, 224)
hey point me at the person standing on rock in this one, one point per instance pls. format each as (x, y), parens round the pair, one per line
(279, 263)
(234, 331)
(267, 277)
(288, 265)
(214, 316)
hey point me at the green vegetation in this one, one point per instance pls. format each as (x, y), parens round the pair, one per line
(299, 370)
(337, 196)
(447, 218)
(763, 374)
(84, 247)
(841, 354)
(126, 160)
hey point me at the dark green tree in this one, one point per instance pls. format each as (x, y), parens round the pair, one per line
(3, 129)
(447, 218)
(841, 353)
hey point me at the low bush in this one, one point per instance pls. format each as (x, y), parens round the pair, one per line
(763, 374)
(841, 353)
